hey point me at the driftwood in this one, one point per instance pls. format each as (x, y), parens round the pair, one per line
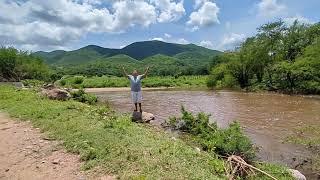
(238, 166)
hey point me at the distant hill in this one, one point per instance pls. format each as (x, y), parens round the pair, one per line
(135, 51)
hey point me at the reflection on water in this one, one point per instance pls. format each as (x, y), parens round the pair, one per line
(266, 118)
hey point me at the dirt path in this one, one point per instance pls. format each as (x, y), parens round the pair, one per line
(26, 154)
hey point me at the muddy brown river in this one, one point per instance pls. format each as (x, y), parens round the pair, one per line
(266, 118)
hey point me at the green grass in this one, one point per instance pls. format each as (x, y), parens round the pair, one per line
(107, 81)
(114, 143)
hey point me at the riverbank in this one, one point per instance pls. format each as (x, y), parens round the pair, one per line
(149, 82)
(111, 141)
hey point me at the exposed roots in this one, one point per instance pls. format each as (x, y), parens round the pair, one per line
(238, 167)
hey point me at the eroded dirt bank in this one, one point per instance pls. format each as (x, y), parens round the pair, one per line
(25, 153)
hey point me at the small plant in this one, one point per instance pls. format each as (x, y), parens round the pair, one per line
(229, 141)
(84, 97)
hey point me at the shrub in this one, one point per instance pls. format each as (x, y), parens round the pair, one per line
(62, 82)
(213, 139)
(78, 80)
(84, 97)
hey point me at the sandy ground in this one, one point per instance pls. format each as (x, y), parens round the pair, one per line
(26, 154)
(97, 90)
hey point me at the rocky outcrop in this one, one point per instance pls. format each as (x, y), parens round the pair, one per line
(297, 175)
(143, 117)
(55, 93)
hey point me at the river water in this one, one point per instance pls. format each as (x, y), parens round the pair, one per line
(267, 118)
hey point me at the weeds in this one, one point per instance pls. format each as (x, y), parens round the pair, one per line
(225, 142)
(81, 96)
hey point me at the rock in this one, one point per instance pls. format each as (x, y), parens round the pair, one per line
(56, 161)
(56, 94)
(297, 175)
(143, 117)
(198, 149)
(49, 86)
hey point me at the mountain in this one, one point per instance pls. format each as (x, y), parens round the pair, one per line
(136, 51)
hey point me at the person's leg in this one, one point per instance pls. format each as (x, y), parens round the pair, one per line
(139, 99)
(140, 107)
(134, 100)
(136, 107)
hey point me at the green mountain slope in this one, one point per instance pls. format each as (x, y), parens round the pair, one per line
(137, 50)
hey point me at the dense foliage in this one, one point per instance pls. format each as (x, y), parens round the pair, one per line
(225, 142)
(280, 57)
(165, 58)
(18, 65)
(161, 65)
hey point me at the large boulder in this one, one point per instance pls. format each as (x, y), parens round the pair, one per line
(143, 117)
(297, 175)
(56, 94)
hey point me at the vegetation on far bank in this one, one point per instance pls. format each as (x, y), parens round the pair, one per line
(155, 81)
(279, 58)
(121, 147)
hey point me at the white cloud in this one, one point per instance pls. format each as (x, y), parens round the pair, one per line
(49, 25)
(230, 41)
(167, 35)
(131, 13)
(206, 44)
(301, 19)
(157, 39)
(206, 15)
(169, 10)
(271, 8)
(199, 3)
(182, 41)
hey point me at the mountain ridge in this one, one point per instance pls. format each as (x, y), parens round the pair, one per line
(137, 50)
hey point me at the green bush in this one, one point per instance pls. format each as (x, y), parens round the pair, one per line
(81, 96)
(213, 139)
(62, 82)
(78, 80)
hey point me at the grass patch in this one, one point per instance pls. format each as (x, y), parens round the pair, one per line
(111, 81)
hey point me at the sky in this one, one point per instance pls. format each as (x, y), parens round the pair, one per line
(71, 24)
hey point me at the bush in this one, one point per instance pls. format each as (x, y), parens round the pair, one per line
(84, 97)
(220, 77)
(78, 80)
(62, 82)
(213, 139)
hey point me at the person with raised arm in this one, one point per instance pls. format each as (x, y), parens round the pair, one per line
(135, 85)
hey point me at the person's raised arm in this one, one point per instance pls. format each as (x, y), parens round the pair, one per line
(124, 72)
(146, 72)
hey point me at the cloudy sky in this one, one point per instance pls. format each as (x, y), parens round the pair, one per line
(71, 24)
